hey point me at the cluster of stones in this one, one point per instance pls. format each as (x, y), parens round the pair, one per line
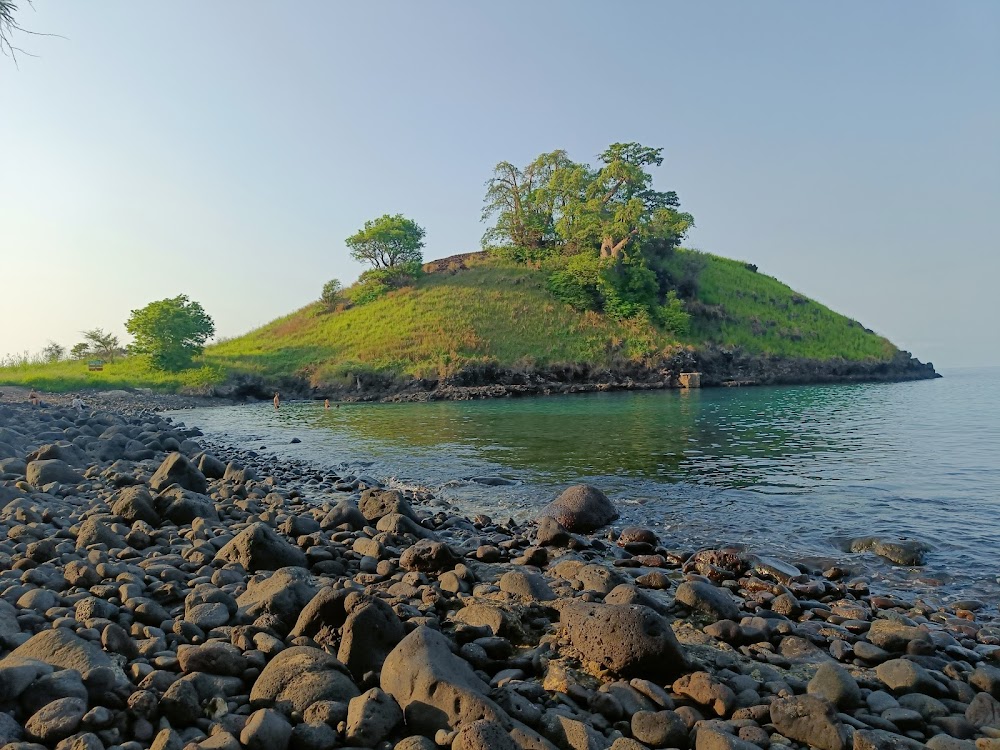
(153, 595)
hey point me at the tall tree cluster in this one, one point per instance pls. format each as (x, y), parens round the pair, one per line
(604, 229)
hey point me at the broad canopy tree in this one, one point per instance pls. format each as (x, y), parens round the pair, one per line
(388, 241)
(170, 331)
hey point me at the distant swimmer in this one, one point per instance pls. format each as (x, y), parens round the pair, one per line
(326, 404)
(277, 401)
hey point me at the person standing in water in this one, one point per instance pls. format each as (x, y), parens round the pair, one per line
(277, 401)
(326, 404)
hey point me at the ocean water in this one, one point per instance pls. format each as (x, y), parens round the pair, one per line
(791, 471)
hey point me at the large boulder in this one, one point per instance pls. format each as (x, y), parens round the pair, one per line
(258, 547)
(41, 473)
(710, 600)
(376, 503)
(63, 649)
(435, 688)
(279, 597)
(582, 508)
(62, 451)
(182, 506)
(370, 718)
(136, 504)
(427, 556)
(299, 676)
(344, 513)
(177, 469)
(371, 631)
(809, 720)
(323, 617)
(93, 531)
(629, 640)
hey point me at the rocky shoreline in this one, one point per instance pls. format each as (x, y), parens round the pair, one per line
(717, 367)
(156, 592)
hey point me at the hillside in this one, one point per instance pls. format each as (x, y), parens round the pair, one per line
(478, 321)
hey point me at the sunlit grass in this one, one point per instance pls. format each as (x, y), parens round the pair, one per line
(491, 313)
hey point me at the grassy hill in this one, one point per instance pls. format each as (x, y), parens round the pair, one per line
(493, 312)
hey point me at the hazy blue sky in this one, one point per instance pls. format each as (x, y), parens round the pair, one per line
(225, 149)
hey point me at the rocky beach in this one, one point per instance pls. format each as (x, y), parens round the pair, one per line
(161, 591)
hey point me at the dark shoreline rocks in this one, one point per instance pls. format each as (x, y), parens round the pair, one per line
(255, 607)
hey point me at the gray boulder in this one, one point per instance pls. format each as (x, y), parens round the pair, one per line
(629, 640)
(258, 547)
(582, 508)
(136, 504)
(809, 720)
(280, 596)
(375, 504)
(435, 688)
(56, 721)
(182, 506)
(177, 469)
(63, 649)
(371, 717)
(709, 600)
(370, 632)
(299, 676)
(41, 473)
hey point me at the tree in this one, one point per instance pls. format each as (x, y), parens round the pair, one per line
(333, 293)
(170, 331)
(80, 351)
(102, 344)
(388, 241)
(53, 352)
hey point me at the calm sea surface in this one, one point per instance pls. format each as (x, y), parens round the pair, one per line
(792, 471)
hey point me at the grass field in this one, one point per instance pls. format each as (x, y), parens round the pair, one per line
(492, 312)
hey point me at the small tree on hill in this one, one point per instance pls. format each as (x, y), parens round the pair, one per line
(170, 331)
(80, 351)
(102, 344)
(388, 241)
(333, 293)
(53, 352)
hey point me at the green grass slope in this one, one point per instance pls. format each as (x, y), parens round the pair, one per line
(494, 312)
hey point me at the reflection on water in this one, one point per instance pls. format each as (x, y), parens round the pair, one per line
(797, 470)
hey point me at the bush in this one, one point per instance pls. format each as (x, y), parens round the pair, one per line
(629, 289)
(333, 293)
(672, 315)
(578, 284)
(377, 282)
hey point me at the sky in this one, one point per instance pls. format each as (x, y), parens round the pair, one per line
(225, 150)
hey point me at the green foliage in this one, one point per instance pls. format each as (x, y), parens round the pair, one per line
(129, 372)
(672, 315)
(80, 351)
(555, 205)
(102, 344)
(388, 241)
(377, 282)
(333, 293)
(579, 283)
(170, 331)
(53, 352)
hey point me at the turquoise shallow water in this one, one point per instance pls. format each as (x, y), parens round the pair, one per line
(794, 471)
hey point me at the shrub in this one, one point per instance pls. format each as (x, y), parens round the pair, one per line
(672, 315)
(579, 283)
(333, 293)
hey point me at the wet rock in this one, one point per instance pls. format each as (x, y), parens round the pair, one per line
(371, 717)
(810, 720)
(258, 547)
(300, 676)
(550, 533)
(629, 640)
(582, 508)
(435, 688)
(899, 551)
(375, 504)
(708, 599)
(177, 469)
